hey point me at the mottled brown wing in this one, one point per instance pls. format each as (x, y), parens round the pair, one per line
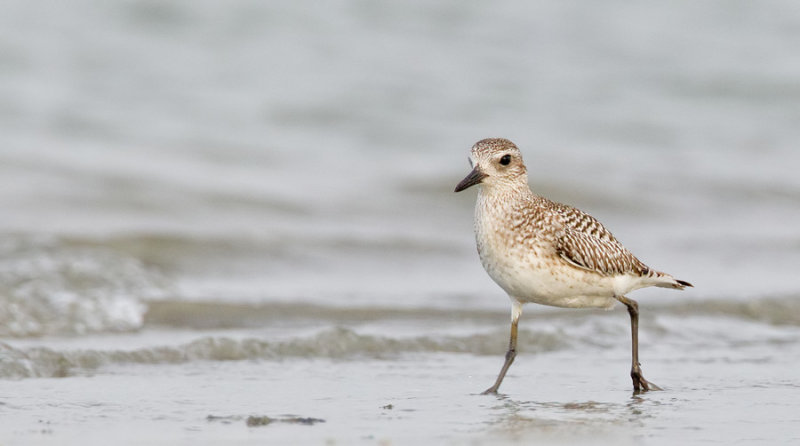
(603, 256)
(580, 221)
(586, 243)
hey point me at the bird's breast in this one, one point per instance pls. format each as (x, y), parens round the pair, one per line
(518, 252)
(510, 245)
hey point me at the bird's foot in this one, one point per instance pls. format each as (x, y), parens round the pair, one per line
(640, 384)
(490, 391)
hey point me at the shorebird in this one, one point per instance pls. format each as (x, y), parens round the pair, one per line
(549, 253)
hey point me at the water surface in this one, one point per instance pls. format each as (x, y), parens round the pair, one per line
(212, 211)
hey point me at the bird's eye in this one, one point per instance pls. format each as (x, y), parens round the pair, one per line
(505, 160)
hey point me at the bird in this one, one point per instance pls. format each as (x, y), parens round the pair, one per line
(541, 251)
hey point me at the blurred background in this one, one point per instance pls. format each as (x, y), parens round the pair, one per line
(173, 174)
(282, 151)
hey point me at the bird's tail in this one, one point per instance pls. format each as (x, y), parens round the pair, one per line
(665, 280)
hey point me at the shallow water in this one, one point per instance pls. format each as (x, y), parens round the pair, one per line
(212, 211)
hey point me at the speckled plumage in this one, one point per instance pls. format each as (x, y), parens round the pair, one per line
(545, 252)
(549, 253)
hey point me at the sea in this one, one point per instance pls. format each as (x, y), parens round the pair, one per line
(233, 222)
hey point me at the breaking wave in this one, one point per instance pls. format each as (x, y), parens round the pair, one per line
(542, 332)
(48, 288)
(336, 343)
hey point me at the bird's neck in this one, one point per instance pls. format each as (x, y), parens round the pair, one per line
(501, 199)
(505, 192)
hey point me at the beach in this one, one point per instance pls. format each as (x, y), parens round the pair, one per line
(234, 222)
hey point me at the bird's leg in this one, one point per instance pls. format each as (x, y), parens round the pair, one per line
(639, 383)
(516, 311)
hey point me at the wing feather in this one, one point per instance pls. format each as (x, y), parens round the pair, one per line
(585, 243)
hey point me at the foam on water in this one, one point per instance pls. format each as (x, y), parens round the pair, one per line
(380, 334)
(49, 288)
(338, 344)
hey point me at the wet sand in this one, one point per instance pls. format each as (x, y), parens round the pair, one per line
(741, 390)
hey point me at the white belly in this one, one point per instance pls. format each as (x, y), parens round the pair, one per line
(547, 280)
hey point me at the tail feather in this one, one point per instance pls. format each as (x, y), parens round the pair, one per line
(684, 283)
(665, 280)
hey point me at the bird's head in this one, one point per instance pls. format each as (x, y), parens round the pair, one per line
(495, 162)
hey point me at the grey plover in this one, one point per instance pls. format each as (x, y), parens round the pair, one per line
(549, 253)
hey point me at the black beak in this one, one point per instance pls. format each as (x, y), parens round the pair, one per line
(474, 177)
